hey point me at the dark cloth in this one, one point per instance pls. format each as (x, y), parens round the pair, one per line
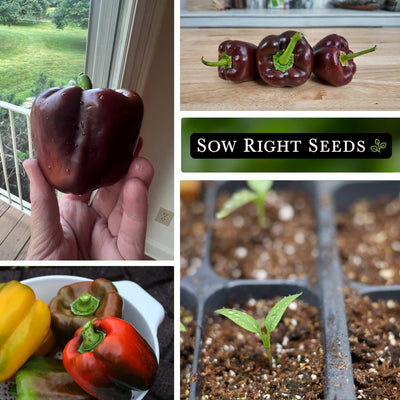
(157, 281)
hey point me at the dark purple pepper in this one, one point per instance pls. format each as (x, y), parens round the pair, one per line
(237, 61)
(285, 60)
(333, 60)
(85, 138)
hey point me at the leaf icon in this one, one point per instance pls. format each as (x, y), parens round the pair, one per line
(383, 145)
(375, 149)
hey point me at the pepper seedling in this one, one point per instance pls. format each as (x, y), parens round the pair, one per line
(252, 325)
(257, 195)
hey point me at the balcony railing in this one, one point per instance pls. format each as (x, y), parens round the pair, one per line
(10, 158)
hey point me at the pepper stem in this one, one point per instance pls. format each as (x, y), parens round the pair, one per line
(84, 82)
(284, 59)
(90, 338)
(345, 57)
(224, 61)
(85, 305)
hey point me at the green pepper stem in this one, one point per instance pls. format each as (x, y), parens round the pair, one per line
(284, 59)
(84, 82)
(85, 305)
(224, 61)
(90, 338)
(345, 57)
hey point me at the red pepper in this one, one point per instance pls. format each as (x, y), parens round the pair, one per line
(237, 61)
(285, 60)
(108, 357)
(85, 138)
(333, 60)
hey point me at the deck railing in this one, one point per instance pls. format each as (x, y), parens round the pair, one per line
(15, 197)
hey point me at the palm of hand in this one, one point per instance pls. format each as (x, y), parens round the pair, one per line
(113, 226)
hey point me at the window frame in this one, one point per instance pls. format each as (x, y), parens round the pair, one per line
(121, 31)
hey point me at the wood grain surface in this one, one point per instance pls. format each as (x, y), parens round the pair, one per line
(375, 86)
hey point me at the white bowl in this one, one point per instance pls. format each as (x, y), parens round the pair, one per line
(139, 308)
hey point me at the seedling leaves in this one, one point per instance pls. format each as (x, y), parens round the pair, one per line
(242, 319)
(238, 199)
(257, 195)
(260, 187)
(271, 321)
(277, 311)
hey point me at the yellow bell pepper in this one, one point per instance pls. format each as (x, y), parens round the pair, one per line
(24, 323)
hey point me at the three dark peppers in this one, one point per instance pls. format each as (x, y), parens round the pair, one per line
(287, 60)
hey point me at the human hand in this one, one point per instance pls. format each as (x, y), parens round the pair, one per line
(112, 227)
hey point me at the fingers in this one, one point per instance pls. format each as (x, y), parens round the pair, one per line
(133, 226)
(108, 199)
(142, 169)
(45, 216)
(128, 240)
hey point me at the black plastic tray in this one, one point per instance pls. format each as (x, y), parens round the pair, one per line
(206, 291)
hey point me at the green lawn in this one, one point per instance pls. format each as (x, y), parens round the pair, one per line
(31, 48)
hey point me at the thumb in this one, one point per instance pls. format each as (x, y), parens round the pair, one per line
(45, 214)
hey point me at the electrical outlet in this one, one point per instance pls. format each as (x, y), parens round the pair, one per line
(164, 216)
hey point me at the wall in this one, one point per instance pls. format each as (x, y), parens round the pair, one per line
(158, 135)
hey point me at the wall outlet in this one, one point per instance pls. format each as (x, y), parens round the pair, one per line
(164, 216)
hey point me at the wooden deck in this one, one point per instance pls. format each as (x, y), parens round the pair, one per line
(14, 233)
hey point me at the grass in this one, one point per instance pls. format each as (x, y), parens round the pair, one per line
(33, 47)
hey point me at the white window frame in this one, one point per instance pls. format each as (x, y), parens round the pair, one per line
(121, 31)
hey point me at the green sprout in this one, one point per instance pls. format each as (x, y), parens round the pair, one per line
(252, 325)
(257, 195)
(182, 327)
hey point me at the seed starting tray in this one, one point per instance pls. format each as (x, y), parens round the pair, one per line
(205, 291)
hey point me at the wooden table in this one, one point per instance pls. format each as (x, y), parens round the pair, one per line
(376, 85)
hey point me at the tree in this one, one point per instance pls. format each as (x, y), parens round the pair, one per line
(33, 9)
(9, 11)
(13, 12)
(71, 12)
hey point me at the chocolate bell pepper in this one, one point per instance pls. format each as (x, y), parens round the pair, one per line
(79, 303)
(333, 60)
(85, 138)
(285, 60)
(24, 323)
(236, 61)
(108, 358)
(46, 378)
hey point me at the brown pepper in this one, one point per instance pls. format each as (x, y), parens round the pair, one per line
(81, 302)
